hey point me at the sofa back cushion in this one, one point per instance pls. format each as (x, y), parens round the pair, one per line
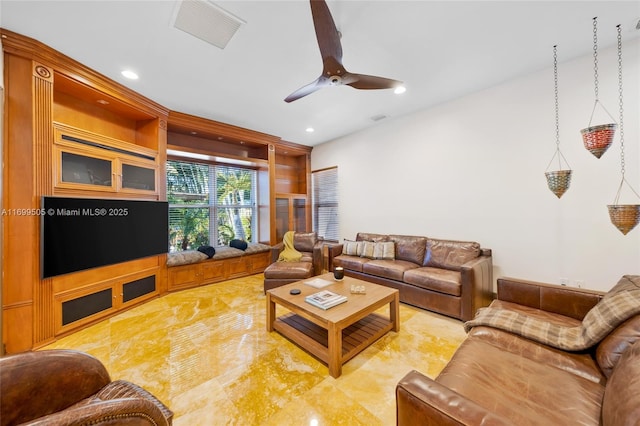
(365, 236)
(621, 402)
(410, 248)
(304, 241)
(616, 343)
(449, 254)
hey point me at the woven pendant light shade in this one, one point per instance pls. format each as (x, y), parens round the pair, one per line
(558, 181)
(625, 217)
(597, 139)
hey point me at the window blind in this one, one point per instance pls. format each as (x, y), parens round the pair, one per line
(325, 203)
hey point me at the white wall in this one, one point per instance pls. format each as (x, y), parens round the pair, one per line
(473, 169)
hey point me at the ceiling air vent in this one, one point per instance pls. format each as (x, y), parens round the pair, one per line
(207, 21)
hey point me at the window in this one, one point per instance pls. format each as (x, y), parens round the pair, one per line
(325, 203)
(209, 204)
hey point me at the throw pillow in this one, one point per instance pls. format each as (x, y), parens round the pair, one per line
(385, 250)
(239, 244)
(208, 250)
(368, 249)
(352, 248)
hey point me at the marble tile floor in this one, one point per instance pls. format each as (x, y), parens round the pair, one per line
(206, 354)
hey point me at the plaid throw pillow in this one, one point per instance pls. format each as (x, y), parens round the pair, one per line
(619, 304)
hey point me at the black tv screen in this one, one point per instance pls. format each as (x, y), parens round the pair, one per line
(84, 233)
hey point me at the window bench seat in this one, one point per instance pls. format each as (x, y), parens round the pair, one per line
(192, 268)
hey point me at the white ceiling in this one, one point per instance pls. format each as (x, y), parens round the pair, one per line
(441, 50)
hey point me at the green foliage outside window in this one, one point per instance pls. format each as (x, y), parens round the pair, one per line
(195, 218)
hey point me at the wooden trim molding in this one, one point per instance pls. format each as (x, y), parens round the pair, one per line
(44, 326)
(26, 47)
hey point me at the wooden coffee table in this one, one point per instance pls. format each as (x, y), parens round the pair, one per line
(339, 333)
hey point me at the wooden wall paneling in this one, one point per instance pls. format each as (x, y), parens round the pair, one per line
(44, 325)
(306, 172)
(272, 195)
(19, 245)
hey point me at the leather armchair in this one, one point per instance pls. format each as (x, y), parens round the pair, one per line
(281, 273)
(66, 387)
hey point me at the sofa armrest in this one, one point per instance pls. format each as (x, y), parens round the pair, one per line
(35, 384)
(477, 285)
(133, 411)
(568, 301)
(275, 251)
(333, 250)
(317, 257)
(423, 401)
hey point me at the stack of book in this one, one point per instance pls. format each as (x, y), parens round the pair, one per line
(325, 299)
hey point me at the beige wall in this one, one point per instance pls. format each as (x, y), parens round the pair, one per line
(473, 169)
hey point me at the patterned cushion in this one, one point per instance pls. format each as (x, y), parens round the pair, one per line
(223, 252)
(385, 250)
(619, 304)
(352, 248)
(367, 249)
(185, 257)
(257, 248)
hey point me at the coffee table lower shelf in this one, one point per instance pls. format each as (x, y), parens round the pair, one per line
(314, 338)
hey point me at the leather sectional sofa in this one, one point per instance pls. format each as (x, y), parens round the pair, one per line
(453, 278)
(500, 378)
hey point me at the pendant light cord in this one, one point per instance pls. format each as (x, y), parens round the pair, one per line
(621, 123)
(558, 153)
(595, 72)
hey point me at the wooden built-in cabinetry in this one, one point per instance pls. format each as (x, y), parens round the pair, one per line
(212, 271)
(70, 131)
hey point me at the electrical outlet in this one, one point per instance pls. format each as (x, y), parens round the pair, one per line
(564, 281)
(580, 283)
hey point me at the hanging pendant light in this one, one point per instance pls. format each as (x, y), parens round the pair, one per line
(597, 139)
(624, 216)
(559, 180)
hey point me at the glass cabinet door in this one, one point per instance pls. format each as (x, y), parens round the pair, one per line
(291, 214)
(87, 170)
(138, 177)
(282, 217)
(300, 215)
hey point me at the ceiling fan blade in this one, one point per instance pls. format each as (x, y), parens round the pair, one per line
(369, 82)
(308, 89)
(326, 32)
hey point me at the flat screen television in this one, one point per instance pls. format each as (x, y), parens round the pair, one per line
(85, 233)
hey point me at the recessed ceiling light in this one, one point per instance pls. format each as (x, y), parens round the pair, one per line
(400, 89)
(130, 74)
(310, 130)
(102, 102)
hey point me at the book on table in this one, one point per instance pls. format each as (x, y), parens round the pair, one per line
(325, 299)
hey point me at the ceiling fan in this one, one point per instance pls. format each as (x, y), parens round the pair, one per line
(333, 72)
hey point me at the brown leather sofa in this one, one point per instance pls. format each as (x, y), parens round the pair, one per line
(453, 278)
(499, 378)
(281, 273)
(65, 387)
